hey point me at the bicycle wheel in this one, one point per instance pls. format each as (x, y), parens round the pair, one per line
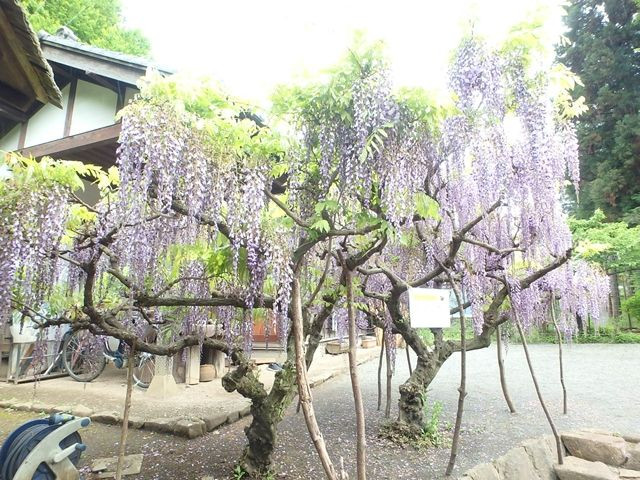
(144, 369)
(83, 356)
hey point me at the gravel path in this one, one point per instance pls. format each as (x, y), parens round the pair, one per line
(603, 382)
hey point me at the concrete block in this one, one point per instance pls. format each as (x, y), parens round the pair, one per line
(109, 418)
(189, 427)
(214, 421)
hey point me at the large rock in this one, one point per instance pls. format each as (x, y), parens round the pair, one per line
(626, 474)
(542, 457)
(578, 469)
(484, 471)
(633, 449)
(596, 447)
(516, 464)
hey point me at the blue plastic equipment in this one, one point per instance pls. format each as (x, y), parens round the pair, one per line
(43, 449)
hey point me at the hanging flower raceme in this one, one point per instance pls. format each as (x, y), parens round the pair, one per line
(33, 214)
(580, 289)
(186, 176)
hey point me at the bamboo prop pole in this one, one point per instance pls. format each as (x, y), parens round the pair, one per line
(463, 377)
(387, 353)
(503, 378)
(535, 384)
(125, 416)
(559, 337)
(361, 438)
(380, 375)
(304, 392)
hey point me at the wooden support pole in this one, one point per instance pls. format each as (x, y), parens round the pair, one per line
(361, 439)
(387, 353)
(503, 378)
(125, 416)
(463, 376)
(537, 387)
(559, 338)
(380, 375)
(304, 392)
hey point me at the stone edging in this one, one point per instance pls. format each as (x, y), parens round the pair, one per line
(592, 455)
(183, 426)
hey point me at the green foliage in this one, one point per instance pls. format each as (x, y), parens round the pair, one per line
(330, 101)
(632, 305)
(613, 245)
(21, 175)
(602, 48)
(232, 133)
(427, 207)
(432, 434)
(239, 473)
(97, 22)
(605, 334)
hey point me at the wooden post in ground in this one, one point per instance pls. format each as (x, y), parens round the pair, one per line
(503, 378)
(559, 338)
(304, 391)
(380, 375)
(462, 390)
(536, 386)
(125, 415)
(361, 440)
(387, 353)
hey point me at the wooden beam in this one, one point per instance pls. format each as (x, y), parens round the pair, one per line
(9, 111)
(15, 44)
(23, 134)
(70, 103)
(103, 82)
(83, 62)
(78, 142)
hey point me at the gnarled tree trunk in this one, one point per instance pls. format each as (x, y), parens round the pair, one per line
(412, 392)
(268, 409)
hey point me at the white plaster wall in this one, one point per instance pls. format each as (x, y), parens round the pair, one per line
(95, 107)
(129, 94)
(9, 142)
(90, 194)
(48, 122)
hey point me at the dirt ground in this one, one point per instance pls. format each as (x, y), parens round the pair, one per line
(107, 392)
(603, 382)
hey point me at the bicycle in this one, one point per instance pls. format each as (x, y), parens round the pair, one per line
(85, 357)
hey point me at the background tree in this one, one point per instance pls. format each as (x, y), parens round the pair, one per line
(96, 22)
(616, 248)
(603, 48)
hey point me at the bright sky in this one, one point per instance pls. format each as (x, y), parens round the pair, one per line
(253, 45)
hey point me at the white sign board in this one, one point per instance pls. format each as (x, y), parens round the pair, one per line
(429, 307)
